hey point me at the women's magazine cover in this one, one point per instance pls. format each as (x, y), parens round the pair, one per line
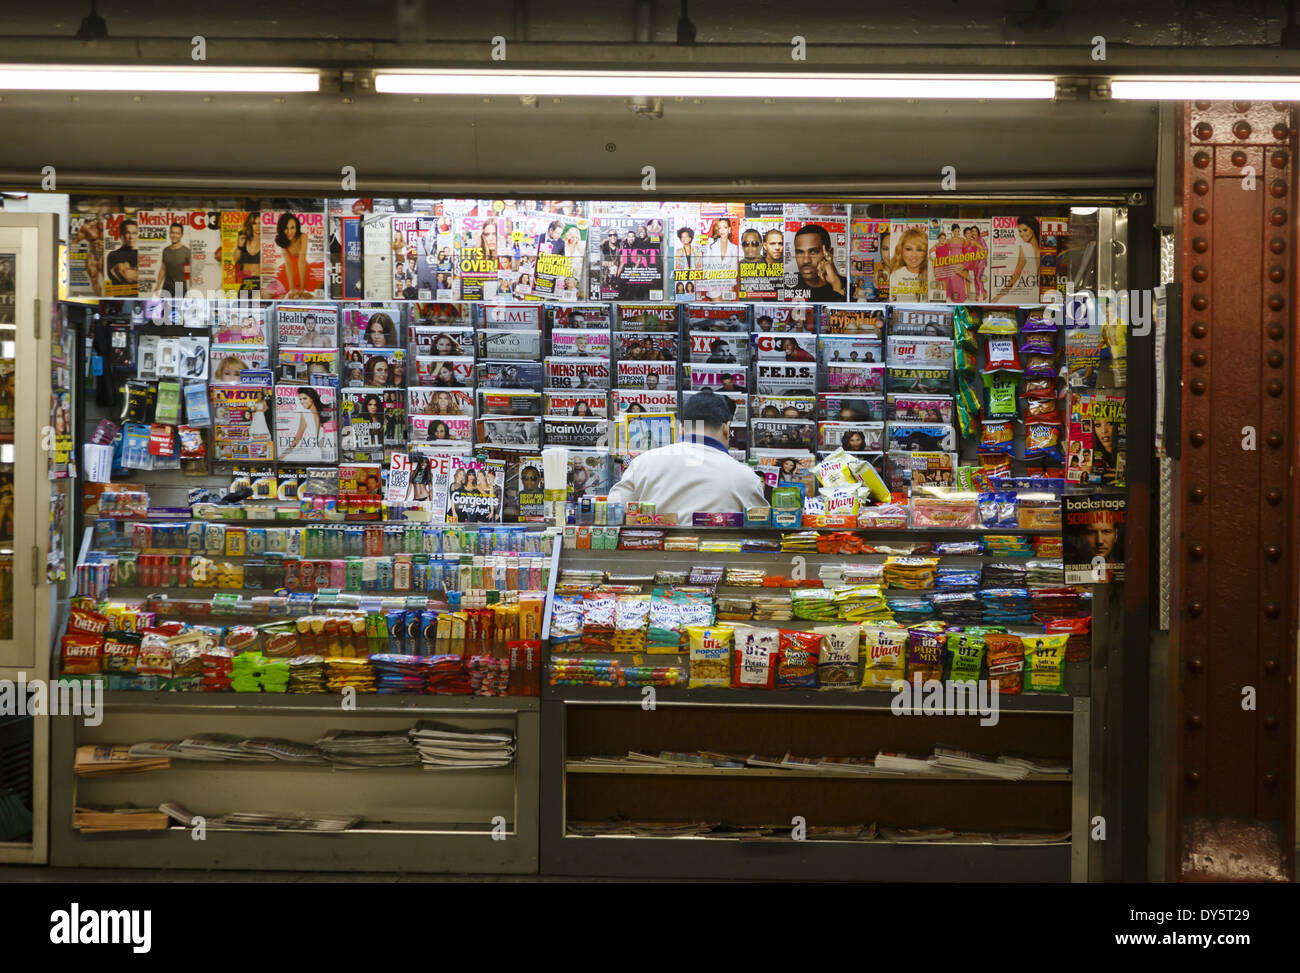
(905, 351)
(440, 314)
(230, 361)
(833, 407)
(374, 368)
(561, 269)
(240, 324)
(439, 342)
(478, 247)
(1013, 260)
(639, 400)
(439, 401)
(959, 259)
(297, 366)
(361, 426)
(451, 373)
(475, 493)
(306, 424)
(375, 326)
(1097, 439)
(706, 255)
(293, 255)
(786, 318)
(866, 320)
(856, 437)
(868, 258)
(241, 430)
(440, 429)
(241, 253)
(909, 261)
(626, 257)
(301, 326)
(423, 262)
(577, 343)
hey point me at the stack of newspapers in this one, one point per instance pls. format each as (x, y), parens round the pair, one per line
(446, 747)
(355, 749)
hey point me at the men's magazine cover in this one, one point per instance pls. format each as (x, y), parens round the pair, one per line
(306, 326)
(816, 255)
(776, 377)
(587, 402)
(646, 317)
(715, 317)
(922, 381)
(306, 424)
(121, 255)
(626, 257)
(86, 255)
(761, 268)
(577, 373)
(719, 349)
(1053, 242)
(785, 406)
(920, 408)
(653, 376)
(1094, 527)
(293, 255)
(784, 318)
(790, 347)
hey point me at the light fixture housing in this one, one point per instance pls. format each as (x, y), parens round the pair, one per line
(1280, 88)
(696, 84)
(205, 80)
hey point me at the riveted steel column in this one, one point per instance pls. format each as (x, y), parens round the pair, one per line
(1236, 548)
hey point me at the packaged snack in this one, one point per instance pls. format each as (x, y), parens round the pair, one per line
(81, 653)
(1045, 662)
(797, 664)
(966, 655)
(837, 666)
(120, 651)
(566, 619)
(1078, 647)
(836, 470)
(1037, 323)
(1000, 354)
(1000, 394)
(925, 654)
(631, 616)
(756, 653)
(1043, 439)
(999, 321)
(1041, 366)
(815, 604)
(1038, 344)
(599, 612)
(1040, 388)
(950, 510)
(85, 621)
(997, 436)
(1042, 410)
(241, 638)
(154, 657)
(710, 655)
(884, 655)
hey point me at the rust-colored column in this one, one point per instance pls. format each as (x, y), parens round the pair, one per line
(1233, 733)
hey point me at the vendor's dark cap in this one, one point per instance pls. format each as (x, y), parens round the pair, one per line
(708, 407)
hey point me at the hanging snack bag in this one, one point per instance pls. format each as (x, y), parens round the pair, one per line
(711, 647)
(1045, 662)
(884, 655)
(966, 655)
(1000, 354)
(838, 664)
(631, 615)
(797, 663)
(999, 321)
(1006, 657)
(925, 654)
(756, 654)
(997, 436)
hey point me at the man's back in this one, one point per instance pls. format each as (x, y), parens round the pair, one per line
(687, 478)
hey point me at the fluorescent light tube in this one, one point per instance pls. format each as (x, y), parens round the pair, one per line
(1205, 89)
(26, 77)
(671, 84)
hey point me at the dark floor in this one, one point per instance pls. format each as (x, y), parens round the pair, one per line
(11, 874)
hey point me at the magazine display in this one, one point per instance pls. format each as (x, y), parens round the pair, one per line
(867, 320)
(576, 403)
(509, 375)
(575, 431)
(561, 260)
(590, 472)
(646, 346)
(293, 255)
(511, 432)
(86, 255)
(855, 437)
(959, 258)
(1053, 242)
(719, 379)
(781, 378)
(121, 256)
(834, 406)
(239, 324)
(1096, 442)
(509, 402)
(715, 317)
(719, 349)
(361, 426)
(583, 343)
(785, 407)
(783, 433)
(1094, 528)
(433, 341)
(306, 424)
(440, 430)
(577, 373)
(422, 261)
(706, 254)
(920, 408)
(638, 400)
(296, 366)
(451, 373)
(377, 256)
(868, 259)
(578, 316)
(646, 317)
(785, 347)
(909, 261)
(512, 317)
(838, 349)
(922, 321)
(440, 401)
(231, 361)
(475, 492)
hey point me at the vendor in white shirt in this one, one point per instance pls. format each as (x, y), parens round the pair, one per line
(696, 475)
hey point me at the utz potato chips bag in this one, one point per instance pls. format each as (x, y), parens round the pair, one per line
(884, 655)
(710, 655)
(1045, 662)
(797, 660)
(837, 666)
(755, 657)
